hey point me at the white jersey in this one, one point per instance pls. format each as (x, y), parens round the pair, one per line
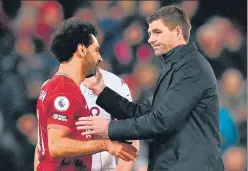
(103, 160)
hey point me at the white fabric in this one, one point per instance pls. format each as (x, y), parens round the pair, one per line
(103, 160)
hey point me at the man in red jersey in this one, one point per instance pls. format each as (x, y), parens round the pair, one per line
(61, 147)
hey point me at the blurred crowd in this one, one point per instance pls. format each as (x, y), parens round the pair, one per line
(25, 63)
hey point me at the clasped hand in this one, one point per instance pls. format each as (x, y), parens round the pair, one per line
(98, 127)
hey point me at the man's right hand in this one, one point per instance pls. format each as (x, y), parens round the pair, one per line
(124, 151)
(95, 83)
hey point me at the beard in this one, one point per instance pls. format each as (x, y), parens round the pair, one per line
(91, 66)
(92, 72)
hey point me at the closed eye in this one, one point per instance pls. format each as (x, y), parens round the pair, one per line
(157, 32)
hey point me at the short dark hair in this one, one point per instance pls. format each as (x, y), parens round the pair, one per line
(70, 33)
(173, 16)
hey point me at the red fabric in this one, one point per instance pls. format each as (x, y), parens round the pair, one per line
(59, 106)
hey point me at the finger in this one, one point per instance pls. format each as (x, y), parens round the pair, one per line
(85, 128)
(87, 123)
(88, 136)
(123, 157)
(86, 119)
(131, 147)
(86, 82)
(89, 133)
(96, 137)
(128, 155)
(98, 74)
(131, 151)
(97, 71)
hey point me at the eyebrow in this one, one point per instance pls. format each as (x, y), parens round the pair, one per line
(153, 30)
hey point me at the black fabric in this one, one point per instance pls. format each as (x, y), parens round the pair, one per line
(182, 118)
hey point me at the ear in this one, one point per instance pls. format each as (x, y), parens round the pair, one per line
(179, 31)
(81, 50)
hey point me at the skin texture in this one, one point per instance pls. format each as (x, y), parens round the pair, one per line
(62, 146)
(162, 39)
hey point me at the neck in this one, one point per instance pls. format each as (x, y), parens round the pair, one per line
(181, 42)
(73, 70)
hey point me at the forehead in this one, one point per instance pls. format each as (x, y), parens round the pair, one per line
(94, 41)
(157, 24)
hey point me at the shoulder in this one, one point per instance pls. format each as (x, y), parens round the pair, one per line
(62, 88)
(194, 61)
(197, 69)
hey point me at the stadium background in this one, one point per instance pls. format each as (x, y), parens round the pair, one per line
(219, 30)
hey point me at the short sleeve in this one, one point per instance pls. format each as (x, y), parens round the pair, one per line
(63, 111)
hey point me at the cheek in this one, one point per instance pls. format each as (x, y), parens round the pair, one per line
(166, 39)
(162, 38)
(91, 58)
(95, 57)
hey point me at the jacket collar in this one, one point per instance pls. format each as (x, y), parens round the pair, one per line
(177, 53)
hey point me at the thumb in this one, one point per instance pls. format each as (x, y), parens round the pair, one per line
(88, 82)
(98, 73)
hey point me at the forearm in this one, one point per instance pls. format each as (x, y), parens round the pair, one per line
(134, 129)
(66, 147)
(184, 93)
(36, 159)
(124, 165)
(119, 107)
(161, 121)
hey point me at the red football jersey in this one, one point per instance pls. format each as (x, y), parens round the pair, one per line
(60, 104)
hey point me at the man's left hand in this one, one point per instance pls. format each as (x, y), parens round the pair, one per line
(94, 125)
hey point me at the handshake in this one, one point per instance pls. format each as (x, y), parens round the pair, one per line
(122, 150)
(97, 128)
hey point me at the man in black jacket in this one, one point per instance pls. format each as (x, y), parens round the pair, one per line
(182, 118)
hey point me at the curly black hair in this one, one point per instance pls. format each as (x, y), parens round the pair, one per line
(66, 38)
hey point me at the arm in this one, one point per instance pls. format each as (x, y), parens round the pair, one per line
(120, 107)
(188, 87)
(62, 146)
(124, 165)
(59, 143)
(36, 160)
(61, 119)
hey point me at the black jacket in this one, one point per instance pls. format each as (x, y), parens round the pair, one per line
(182, 118)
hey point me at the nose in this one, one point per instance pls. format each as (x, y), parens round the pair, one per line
(100, 59)
(151, 40)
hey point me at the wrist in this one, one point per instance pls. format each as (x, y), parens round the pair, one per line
(106, 144)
